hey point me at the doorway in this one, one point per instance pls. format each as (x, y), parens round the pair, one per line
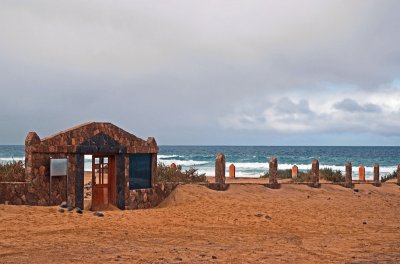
(103, 182)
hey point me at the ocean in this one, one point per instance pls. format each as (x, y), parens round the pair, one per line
(252, 161)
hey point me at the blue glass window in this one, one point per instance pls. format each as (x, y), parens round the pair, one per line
(139, 171)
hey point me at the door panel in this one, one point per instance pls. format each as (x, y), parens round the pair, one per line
(103, 182)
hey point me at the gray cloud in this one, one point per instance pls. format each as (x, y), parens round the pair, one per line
(350, 105)
(177, 70)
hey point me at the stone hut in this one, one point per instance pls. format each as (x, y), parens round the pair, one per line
(123, 169)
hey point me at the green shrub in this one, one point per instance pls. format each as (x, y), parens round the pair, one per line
(389, 176)
(327, 174)
(12, 171)
(303, 176)
(282, 174)
(331, 175)
(167, 174)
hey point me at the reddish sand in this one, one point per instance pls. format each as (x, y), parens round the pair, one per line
(246, 224)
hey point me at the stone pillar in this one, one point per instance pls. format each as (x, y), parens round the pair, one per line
(315, 174)
(273, 170)
(348, 181)
(295, 171)
(32, 142)
(361, 173)
(398, 174)
(376, 175)
(273, 174)
(220, 168)
(232, 171)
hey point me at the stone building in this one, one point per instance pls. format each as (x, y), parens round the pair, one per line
(123, 169)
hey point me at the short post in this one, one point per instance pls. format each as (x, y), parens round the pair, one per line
(273, 174)
(220, 168)
(361, 173)
(348, 180)
(232, 171)
(377, 182)
(219, 184)
(295, 171)
(398, 174)
(315, 174)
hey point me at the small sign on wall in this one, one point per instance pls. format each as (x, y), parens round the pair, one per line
(58, 167)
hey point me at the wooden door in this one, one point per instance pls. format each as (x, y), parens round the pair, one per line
(103, 182)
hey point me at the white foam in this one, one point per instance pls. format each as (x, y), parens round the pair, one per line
(184, 162)
(168, 156)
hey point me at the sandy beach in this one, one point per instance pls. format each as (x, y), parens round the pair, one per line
(248, 223)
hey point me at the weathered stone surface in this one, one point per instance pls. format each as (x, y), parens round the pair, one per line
(148, 198)
(273, 170)
(218, 186)
(315, 174)
(273, 174)
(348, 181)
(220, 168)
(377, 181)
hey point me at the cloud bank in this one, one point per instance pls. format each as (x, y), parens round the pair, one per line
(204, 72)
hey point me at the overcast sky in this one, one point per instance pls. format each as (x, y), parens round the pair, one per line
(204, 72)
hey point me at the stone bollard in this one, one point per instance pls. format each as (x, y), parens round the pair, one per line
(348, 180)
(232, 171)
(315, 174)
(377, 182)
(273, 170)
(220, 168)
(295, 171)
(219, 184)
(398, 174)
(361, 173)
(273, 174)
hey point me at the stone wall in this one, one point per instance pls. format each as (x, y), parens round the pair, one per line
(15, 193)
(86, 139)
(148, 198)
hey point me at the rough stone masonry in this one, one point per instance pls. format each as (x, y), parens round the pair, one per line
(220, 168)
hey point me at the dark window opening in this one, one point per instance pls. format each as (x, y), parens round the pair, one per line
(139, 171)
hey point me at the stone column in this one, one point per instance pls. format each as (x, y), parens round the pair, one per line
(232, 171)
(273, 174)
(348, 181)
(377, 181)
(361, 173)
(315, 173)
(398, 174)
(295, 171)
(220, 168)
(273, 170)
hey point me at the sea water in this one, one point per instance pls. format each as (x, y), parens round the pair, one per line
(252, 161)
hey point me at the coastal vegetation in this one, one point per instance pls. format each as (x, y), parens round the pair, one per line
(12, 171)
(389, 176)
(176, 174)
(327, 174)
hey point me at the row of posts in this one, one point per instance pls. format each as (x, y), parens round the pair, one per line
(314, 179)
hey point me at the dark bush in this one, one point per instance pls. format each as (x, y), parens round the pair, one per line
(12, 171)
(389, 176)
(167, 174)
